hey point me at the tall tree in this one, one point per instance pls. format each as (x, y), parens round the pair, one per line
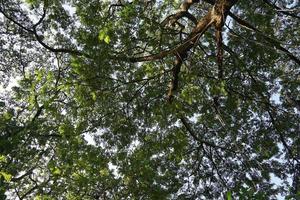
(194, 99)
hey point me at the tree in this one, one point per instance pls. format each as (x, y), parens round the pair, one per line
(179, 99)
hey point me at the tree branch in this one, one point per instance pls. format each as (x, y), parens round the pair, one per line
(194, 135)
(39, 39)
(280, 10)
(183, 12)
(215, 16)
(272, 41)
(281, 136)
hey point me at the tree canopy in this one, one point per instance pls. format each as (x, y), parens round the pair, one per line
(194, 99)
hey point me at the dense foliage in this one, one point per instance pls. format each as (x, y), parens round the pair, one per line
(195, 99)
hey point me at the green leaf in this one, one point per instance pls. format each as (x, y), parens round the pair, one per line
(103, 36)
(229, 196)
(94, 96)
(107, 39)
(56, 171)
(7, 177)
(31, 2)
(2, 158)
(104, 172)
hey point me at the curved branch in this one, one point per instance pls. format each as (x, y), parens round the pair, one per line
(183, 12)
(195, 34)
(39, 39)
(41, 19)
(215, 16)
(194, 135)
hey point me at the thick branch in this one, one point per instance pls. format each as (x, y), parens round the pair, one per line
(183, 12)
(271, 40)
(219, 53)
(221, 10)
(176, 70)
(195, 34)
(215, 16)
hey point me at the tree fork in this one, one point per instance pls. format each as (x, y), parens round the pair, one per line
(216, 16)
